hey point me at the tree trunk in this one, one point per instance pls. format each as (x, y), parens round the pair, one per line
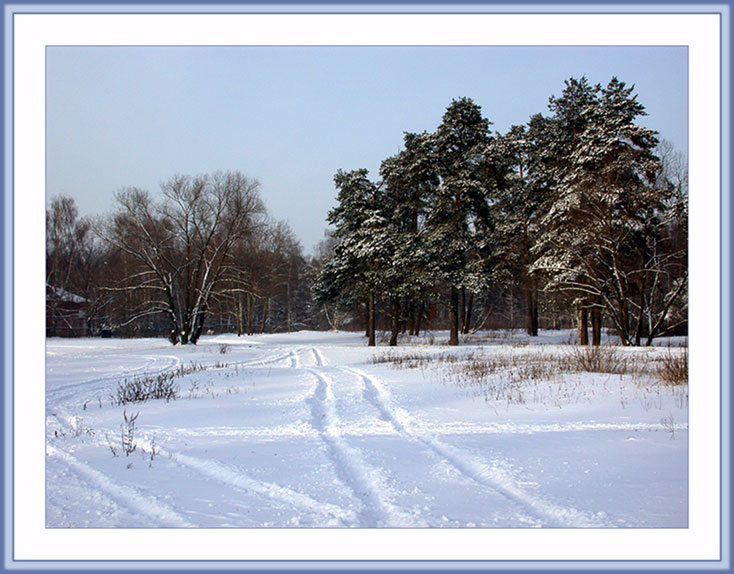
(582, 325)
(596, 325)
(198, 328)
(183, 335)
(532, 310)
(418, 318)
(454, 316)
(640, 322)
(624, 324)
(238, 318)
(266, 310)
(371, 320)
(395, 322)
(249, 314)
(462, 309)
(468, 314)
(173, 335)
(367, 317)
(409, 324)
(199, 321)
(288, 301)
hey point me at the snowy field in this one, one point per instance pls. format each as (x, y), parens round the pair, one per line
(318, 430)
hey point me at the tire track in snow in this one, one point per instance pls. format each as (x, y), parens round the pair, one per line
(276, 357)
(226, 475)
(367, 483)
(300, 430)
(163, 514)
(318, 357)
(66, 392)
(470, 465)
(172, 363)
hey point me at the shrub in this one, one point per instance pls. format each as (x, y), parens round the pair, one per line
(137, 390)
(127, 433)
(160, 386)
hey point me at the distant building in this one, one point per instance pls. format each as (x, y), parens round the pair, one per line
(66, 313)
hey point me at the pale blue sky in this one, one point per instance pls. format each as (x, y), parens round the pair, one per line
(290, 117)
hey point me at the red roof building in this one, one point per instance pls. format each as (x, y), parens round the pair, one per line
(66, 314)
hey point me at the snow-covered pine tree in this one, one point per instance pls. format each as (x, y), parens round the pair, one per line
(408, 180)
(518, 210)
(456, 222)
(605, 213)
(362, 248)
(556, 138)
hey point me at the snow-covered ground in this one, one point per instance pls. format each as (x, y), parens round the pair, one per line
(309, 430)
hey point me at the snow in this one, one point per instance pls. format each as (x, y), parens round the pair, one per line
(58, 294)
(306, 430)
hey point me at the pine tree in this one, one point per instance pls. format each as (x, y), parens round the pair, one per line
(408, 180)
(456, 223)
(605, 213)
(519, 209)
(362, 247)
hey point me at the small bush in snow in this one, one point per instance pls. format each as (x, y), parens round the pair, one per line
(127, 433)
(140, 389)
(223, 348)
(668, 424)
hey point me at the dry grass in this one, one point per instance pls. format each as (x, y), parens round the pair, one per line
(596, 359)
(401, 359)
(672, 369)
(518, 365)
(521, 375)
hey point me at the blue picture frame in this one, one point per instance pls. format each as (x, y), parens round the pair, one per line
(8, 562)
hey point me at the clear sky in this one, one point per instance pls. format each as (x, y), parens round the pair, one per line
(290, 117)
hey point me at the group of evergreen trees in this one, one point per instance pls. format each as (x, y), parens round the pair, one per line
(581, 205)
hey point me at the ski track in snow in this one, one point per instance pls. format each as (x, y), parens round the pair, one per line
(470, 465)
(122, 495)
(366, 482)
(331, 514)
(318, 357)
(277, 357)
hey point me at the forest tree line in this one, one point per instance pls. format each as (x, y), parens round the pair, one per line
(205, 257)
(578, 216)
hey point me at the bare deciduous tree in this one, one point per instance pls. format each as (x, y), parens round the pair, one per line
(74, 260)
(181, 248)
